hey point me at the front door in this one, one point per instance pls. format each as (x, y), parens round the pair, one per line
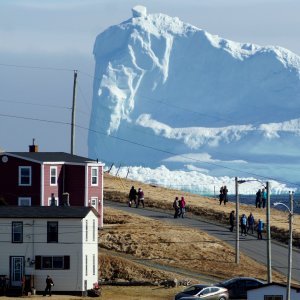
(94, 202)
(16, 270)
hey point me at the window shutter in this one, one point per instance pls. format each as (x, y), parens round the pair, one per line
(38, 261)
(66, 262)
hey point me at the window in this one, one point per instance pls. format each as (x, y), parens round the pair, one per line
(17, 232)
(25, 176)
(53, 175)
(86, 265)
(52, 262)
(94, 230)
(86, 230)
(24, 201)
(95, 176)
(94, 264)
(52, 232)
(273, 297)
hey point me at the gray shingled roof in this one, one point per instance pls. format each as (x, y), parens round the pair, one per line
(50, 212)
(52, 157)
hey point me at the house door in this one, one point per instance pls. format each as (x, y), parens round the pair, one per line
(16, 270)
(94, 202)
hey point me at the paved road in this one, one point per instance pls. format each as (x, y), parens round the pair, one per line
(256, 249)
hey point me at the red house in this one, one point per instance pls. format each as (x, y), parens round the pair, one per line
(50, 178)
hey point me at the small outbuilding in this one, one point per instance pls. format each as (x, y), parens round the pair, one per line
(273, 291)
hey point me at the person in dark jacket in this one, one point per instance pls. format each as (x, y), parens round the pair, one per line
(132, 196)
(176, 207)
(49, 284)
(250, 223)
(258, 199)
(231, 220)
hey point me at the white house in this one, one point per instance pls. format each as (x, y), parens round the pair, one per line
(273, 291)
(58, 241)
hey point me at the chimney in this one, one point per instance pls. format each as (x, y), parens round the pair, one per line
(33, 147)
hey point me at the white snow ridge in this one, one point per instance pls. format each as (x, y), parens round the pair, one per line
(165, 89)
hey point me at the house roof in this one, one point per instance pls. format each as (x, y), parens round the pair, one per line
(52, 157)
(43, 212)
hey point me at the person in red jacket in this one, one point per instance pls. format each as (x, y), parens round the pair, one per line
(140, 196)
(181, 207)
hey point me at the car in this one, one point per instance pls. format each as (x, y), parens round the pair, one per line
(238, 286)
(203, 291)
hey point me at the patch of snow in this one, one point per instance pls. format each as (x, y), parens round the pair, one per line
(139, 11)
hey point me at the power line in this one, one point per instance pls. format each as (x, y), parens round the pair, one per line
(34, 104)
(152, 148)
(36, 67)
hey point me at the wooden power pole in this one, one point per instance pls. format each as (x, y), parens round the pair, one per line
(73, 113)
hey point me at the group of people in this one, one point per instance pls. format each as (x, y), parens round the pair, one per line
(261, 198)
(247, 224)
(223, 195)
(179, 207)
(136, 197)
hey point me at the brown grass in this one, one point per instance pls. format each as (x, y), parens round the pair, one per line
(175, 246)
(117, 189)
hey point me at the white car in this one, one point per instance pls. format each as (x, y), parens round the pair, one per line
(203, 291)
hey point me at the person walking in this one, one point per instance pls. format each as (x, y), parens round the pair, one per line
(225, 196)
(181, 207)
(176, 207)
(140, 196)
(132, 196)
(250, 223)
(49, 284)
(221, 195)
(244, 225)
(231, 220)
(263, 198)
(258, 199)
(260, 228)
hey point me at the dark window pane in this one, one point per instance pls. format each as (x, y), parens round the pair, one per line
(58, 262)
(17, 232)
(47, 262)
(52, 232)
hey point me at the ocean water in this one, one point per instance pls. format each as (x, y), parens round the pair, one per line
(283, 198)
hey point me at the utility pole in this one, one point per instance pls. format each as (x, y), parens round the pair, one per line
(291, 212)
(73, 113)
(237, 237)
(269, 234)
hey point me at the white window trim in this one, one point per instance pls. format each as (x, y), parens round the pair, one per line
(20, 199)
(30, 175)
(97, 176)
(56, 201)
(53, 168)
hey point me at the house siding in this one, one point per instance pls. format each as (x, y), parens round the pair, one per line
(56, 189)
(75, 184)
(10, 190)
(96, 191)
(71, 243)
(258, 294)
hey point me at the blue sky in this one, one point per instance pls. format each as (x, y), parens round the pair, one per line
(42, 42)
